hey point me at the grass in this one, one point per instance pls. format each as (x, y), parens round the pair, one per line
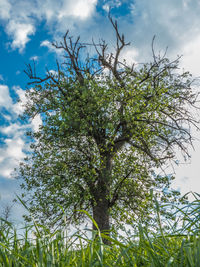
(179, 246)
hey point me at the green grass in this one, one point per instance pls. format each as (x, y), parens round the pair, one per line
(179, 246)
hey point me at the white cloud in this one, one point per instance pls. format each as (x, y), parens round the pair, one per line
(1, 77)
(14, 129)
(10, 130)
(191, 56)
(47, 44)
(82, 9)
(53, 72)
(110, 4)
(34, 58)
(14, 147)
(174, 23)
(18, 21)
(48, 10)
(170, 20)
(18, 108)
(12, 152)
(106, 7)
(187, 174)
(7, 117)
(51, 48)
(130, 55)
(21, 17)
(36, 122)
(5, 8)
(5, 99)
(20, 32)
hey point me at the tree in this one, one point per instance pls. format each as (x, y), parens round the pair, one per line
(106, 127)
(5, 217)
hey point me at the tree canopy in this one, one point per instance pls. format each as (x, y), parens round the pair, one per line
(106, 127)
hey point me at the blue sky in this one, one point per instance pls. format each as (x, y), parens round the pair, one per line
(27, 29)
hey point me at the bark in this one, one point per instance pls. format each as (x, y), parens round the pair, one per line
(102, 217)
(102, 202)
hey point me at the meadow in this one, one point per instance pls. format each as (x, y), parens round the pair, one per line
(175, 245)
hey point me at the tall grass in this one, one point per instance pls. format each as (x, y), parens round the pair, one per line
(179, 246)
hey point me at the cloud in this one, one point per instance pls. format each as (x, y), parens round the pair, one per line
(19, 32)
(18, 107)
(36, 122)
(8, 190)
(73, 10)
(51, 48)
(5, 99)
(170, 20)
(106, 7)
(22, 17)
(81, 9)
(5, 8)
(187, 174)
(12, 152)
(14, 146)
(130, 55)
(174, 23)
(191, 56)
(11, 129)
(110, 4)
(34, 58)
(12, 149)
(48, 44)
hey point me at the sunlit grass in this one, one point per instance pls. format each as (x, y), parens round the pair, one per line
(179, 246)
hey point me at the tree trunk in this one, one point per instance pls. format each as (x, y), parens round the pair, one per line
(101, 207)
(101, 217)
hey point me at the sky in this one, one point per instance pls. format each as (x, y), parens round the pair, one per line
(27, 29)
